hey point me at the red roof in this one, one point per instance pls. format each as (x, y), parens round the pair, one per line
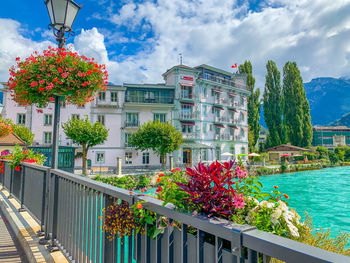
(11, 140)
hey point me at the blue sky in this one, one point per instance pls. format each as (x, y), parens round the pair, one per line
(139, 40)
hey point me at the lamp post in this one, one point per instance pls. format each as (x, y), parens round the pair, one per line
(62, 15)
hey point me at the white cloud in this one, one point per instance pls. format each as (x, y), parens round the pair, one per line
(315, 34)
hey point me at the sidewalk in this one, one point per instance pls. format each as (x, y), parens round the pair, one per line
(10, 251)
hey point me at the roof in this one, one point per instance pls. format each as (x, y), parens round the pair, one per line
(286, 148)
(215, 69)
(150, 86)
(330, 128)
(11, 140)
(179, 66)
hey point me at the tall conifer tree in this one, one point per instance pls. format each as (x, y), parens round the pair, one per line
(296, 117)
(253, 105)
(273, 105)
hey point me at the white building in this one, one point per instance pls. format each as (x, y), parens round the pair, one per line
(207, 104)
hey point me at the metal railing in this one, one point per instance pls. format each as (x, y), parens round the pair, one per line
(189, 135)
(132, 123)
(69, 208)
(223, 81)
(187, 115)
(144, 99)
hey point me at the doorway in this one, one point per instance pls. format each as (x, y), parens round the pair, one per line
(187, 156)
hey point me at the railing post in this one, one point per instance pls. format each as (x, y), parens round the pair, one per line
(21, 209)
(53, 217)
(11, 182)
(108, 245)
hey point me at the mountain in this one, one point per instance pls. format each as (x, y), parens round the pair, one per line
(343, 121)
(329, 100)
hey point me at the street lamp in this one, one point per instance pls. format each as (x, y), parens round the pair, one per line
(62, 15)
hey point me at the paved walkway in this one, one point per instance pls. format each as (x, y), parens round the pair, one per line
(9, 249)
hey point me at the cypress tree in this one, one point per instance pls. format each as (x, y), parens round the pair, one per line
(272, 99)
(296, 117)
(253, 105)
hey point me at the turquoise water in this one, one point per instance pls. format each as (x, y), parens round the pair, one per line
(324, 194)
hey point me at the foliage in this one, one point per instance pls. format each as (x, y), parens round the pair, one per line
(273, 105)
(40, 77)
(253, 104)
(343, 153)
(160, 137)
(333, 158)
(211, 189)
(19, 155)
(5, 129)
(24, 133)
(119, 220)
(322, 152)
(284, 166)
(83, 132)
(296, 110)
(169, 191)
(310, 155)
(128, 182)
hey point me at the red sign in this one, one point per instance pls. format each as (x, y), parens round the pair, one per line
(187, 78)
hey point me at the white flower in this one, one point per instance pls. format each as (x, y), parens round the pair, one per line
(276, 215)
(250, 198)
(283, 205)
(266, 204)
(293, 229)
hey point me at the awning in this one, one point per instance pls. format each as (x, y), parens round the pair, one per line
(234, 110)
(219, 125)
(233, 94)
(188, 123)
(196, 145)
(233, 126)
(218, 107)
(187, 103)
(187, 84)
(217, 90)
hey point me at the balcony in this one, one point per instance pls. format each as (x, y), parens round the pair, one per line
(131, 124)
(149, 100)
(189, 135)
(62, 203)
(221, 119)
(107, 104)
(186, 96)
(187, 116)
(221, 101)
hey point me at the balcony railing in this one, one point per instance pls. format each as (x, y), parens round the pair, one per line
(106, 104)
(142, 99)
(221, 81)
(187, 116)
(132, 124)
(191, 96)
(221, 101)
(221, 119)
(69, 209)
(189, 135)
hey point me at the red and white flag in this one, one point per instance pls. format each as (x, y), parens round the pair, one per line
(234, 65)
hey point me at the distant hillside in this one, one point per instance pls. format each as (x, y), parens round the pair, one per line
(329, 100)
(343, 121)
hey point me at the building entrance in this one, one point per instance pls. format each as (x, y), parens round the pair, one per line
(187, 156)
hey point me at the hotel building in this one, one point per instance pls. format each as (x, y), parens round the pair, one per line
(208, 105)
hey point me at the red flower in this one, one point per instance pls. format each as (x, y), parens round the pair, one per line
(275, 186)
(52, 99)
(139, 206)
(18, 168)
(34, 84)
(18, 58)
(286, 196)
(60, 70)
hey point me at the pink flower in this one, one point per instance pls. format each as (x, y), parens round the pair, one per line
(41, 81)
(64, 75)
(239, 201)
(240, 173)
(34, 84)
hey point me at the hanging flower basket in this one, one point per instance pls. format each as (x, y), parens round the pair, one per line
(40, 77)
(4, 129)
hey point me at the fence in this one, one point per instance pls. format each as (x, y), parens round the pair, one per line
(69, 208)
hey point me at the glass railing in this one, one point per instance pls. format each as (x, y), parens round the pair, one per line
(141, 99)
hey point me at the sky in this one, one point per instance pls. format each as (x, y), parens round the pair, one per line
(140, 40)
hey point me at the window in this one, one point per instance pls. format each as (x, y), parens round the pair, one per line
(76, 116)
(205, 110)
(114, 96)
(102, 96)
(132, 119)
(205, 154)
(241, 116)
(47, 119)
(242, 101)
(128, 158)
(211, 127)
(21, 118)
(205, 127)
(243, 150)
(47, 137)
(101, 119)
(100, 157)
(187, 128)
(159, 116)
(187, 111)
(63, 104)
(145, 158)
(127, 139)
(242, 133)
(204, 92)
(232, 150)
(217, 153)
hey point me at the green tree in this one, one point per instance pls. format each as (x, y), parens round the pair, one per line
(273, 110)
(24, 133)
(322, 152)
(333, 158)
(253, 104)
(83, 132)
(296, 111)
(21, 131)
(160, 137)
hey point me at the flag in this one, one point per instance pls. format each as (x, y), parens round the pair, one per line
(234, 65)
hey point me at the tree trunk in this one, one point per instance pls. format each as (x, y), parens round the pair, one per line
(85, 172)
(163, 161)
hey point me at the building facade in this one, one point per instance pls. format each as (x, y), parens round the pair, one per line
(207, 104)
(331, 137)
